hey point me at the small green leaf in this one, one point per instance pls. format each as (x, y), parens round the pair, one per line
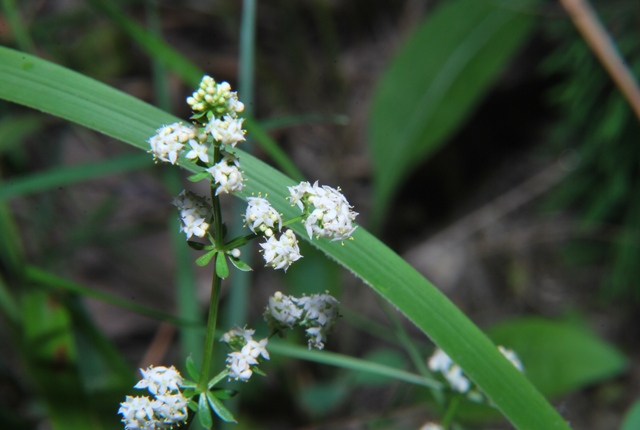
(239, 264)
(220, 410)
(192, 405)
(632, 418)
(199, 176)
(204, 413)
(222, 268)
(196, 245)
(189, 392)
(224, 393)
(192, 369)
(203, 260)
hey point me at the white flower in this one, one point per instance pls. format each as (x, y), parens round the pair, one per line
(195, 214)
(240, 363)
(329, 212)
(322, 308)
(160, 380)
(227, 130)
(168, 142)
(320, 314)
(258, 349)
(281, 253)
(431, 426)
(456, 379)
(171, 408)
(440, 361)
(227, 175)
(282, 311)
(261, 216)
(234, 105)
(238, 333)
(512, 357)
(198, 150)
(137, 412)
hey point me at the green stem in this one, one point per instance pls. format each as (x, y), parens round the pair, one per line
(211, 331)
(215, 284)
(451, 411)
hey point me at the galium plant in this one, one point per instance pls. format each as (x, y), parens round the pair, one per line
(209, 142)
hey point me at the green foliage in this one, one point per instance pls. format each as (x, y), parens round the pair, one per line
(632, 418)
(435, 81)
(559, 357)
(599, 130)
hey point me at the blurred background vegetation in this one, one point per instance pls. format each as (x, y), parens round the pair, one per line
(515, 191)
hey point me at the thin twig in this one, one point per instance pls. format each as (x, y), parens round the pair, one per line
(593, 32)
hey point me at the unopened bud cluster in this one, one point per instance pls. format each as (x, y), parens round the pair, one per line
(216, 98)
(316, 313)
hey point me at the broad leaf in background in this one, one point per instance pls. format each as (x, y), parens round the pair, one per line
(434, 82)
(42, 85)
(632, 419)
(559, 357)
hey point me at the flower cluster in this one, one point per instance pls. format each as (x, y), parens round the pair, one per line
(441, 362)
(216, 98)
(282, 252)
(195, 214)
(169, 141)
(316, 313)
(242, 362)
(226, 174)
(328, 213)
(217, 126)
(261, 217)
(168, 406)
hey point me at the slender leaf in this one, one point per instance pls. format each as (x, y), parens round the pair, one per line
(204, 413)
(222, 268)
(45, 86)
(220, 410)
(42, 277)
(346, 362)
(68, 175)
(434, 82)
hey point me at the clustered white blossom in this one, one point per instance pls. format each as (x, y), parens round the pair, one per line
(282, 252)
(317, 313)
(195, 214)
(242, 361)
(221, 128)
(227, 175)
(441, 362)
(227, 130)
(169, 141)
(261, 217)
(168, 407)
(329, 214)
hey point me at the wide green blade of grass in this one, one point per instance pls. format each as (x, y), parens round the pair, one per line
(53, 89)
